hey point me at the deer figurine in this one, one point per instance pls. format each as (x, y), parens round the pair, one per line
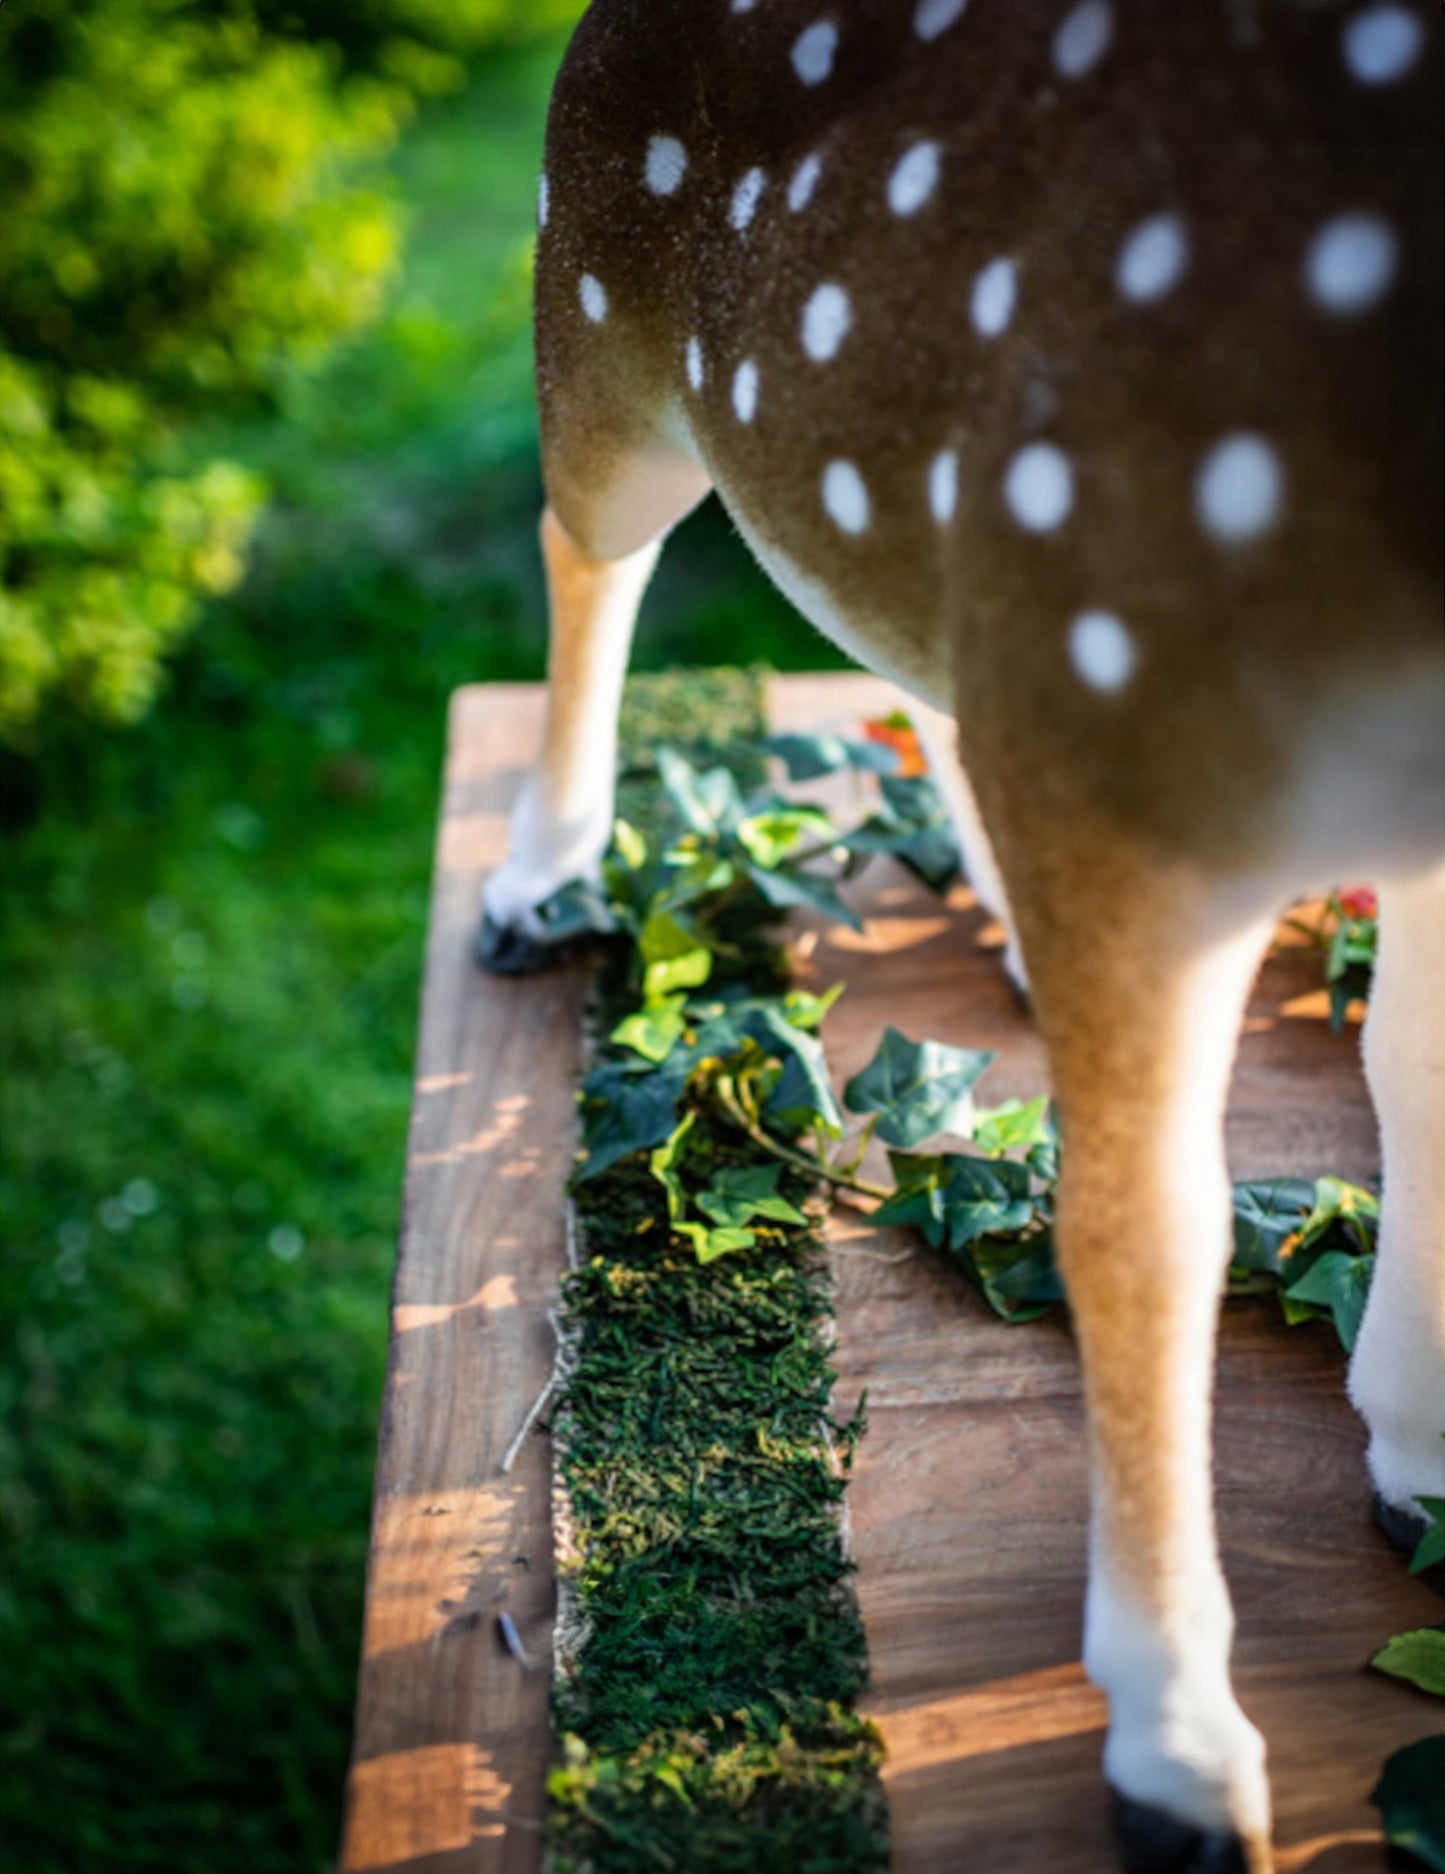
(1078, 366)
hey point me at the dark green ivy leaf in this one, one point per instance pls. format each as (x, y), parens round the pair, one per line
(1267, 1212)
(806, 757)
(1410, 1796)
(802, 1095)
(792, 889)
(626, 1106)
(1430, 1549)
(708, 802)
(1341, 1283)
(741, 1193)
(917, 1088)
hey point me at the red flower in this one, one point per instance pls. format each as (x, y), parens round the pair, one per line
(897, 732)
(1359, 902)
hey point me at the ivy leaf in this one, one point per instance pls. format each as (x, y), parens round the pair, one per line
(707, 803)
(802, 1094)
(654, 1030)
(739, 1194)
(630, 845)
(773, 836)
(1418, 1656)
(710, 1244)
(1267, 1213)
(1020, 1280)
(797, 889)
(627, 1105)
(1410, 1796)
(912, 825)
(917, 1196)
(1430, 1549)
(1016, 1126)
(1341, 1283)
(956, 1200)
(673, 956)
(695, 875)
(985, 1197)
(807, 757)
(576, 909)
(663, 1164)
(917, 1088)
(1346, 1206)
(804, 1010)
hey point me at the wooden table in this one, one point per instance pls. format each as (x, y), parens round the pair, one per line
(968, 1512)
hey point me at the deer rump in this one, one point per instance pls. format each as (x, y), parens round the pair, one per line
(1079, 367)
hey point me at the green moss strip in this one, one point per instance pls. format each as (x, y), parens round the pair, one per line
(710, 1645)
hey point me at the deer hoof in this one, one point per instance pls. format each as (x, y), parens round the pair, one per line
(1405, 1528)
(1153, 1842)
(507, 950)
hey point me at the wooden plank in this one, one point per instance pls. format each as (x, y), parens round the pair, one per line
(451, 1742)
(969, 1508)
(968, 1512)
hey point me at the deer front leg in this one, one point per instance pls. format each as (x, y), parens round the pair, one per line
(1140, 1005)
(1397, 1376)
(563, 817)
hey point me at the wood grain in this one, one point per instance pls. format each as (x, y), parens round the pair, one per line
(969, 1509)
(451, 1743)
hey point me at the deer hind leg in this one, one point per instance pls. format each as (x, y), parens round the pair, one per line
(1139, 982)
(601, 536)
(1397, 1376)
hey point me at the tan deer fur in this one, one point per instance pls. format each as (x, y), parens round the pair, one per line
(1078, 366)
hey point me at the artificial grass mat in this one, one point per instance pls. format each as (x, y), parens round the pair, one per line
(710, 1646)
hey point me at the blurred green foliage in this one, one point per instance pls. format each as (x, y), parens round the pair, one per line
(187, 212)
(211, 932)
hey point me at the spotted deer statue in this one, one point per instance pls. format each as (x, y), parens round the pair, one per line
(1078, 366)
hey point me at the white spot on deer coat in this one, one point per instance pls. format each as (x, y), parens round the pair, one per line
(1351, 262)
(1152, 258)
(695, 367)
(814, 52)
(914, 178)
(746, 197)
(1101, 650)
(1039, 487)
(994, 293)
(845, 497)
(1382, 44)
(826, 319)
(542, 200)
(745, 391)
(666, 165)
(1083, 38)
(593, 295)
(1240, 488)
(804, 181)
(933, 17)
(943, 486)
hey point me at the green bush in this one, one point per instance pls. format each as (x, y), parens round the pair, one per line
(186, 217)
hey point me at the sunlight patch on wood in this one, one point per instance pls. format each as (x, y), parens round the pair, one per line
(427, 1550)
(418, 1802)
(1031, 1708)
(1301, 1856)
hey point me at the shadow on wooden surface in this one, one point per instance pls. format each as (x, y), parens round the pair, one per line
(969, 1507)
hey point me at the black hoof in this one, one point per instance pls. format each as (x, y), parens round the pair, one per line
(1152, 1842)
(504, 951)
(1406, 1528)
